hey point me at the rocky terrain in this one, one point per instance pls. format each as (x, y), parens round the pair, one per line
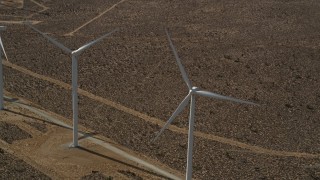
(266, 52)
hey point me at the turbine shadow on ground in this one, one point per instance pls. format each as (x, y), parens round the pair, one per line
(84, 134)
(121, 162)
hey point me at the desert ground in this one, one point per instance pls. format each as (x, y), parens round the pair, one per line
(263, 51)
(35, 144)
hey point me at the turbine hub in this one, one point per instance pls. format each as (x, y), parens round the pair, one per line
(194, 89)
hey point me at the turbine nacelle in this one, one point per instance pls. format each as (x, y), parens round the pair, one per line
(75, 53)
(194, 89)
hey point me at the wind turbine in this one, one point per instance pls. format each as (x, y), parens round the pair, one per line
(74, 55)
(2, 28)
(193, 91)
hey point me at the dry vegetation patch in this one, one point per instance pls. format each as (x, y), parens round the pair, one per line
(10, 132)
(14, 168)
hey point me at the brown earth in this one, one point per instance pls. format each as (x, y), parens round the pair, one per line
(14, 168)
(266, 52)
(96, 176)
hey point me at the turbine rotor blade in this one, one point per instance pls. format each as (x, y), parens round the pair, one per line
(61, 46)
(218, 96)
(86, 46)
(179, 109)
(2, 47)
(182, 70)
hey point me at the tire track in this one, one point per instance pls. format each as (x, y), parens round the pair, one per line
(41, 5)
(44, 8)
(93, 19)
(20, 22)
(153, 120)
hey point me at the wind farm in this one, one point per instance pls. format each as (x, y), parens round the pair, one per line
(258, 61)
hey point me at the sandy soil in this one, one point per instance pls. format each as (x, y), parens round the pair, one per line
(265, 51)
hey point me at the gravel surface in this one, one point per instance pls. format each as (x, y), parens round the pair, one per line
(266, 52)
(130, 175)
(10, 132)
(14, 168)
(96, 176)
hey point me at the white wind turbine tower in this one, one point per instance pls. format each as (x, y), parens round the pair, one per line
(2, 28)
(191, 96)
(74, 55)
